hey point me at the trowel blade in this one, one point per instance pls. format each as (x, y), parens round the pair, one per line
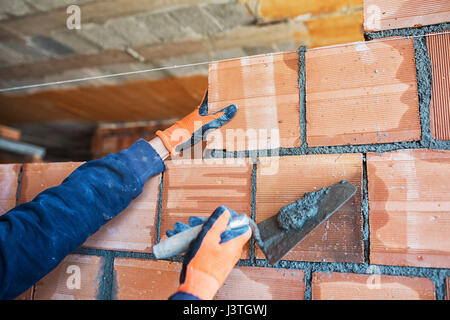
(277, 242)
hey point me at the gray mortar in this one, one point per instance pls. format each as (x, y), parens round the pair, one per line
(19, 184)
(423, 74)
(365, 211)
(407, 32)
(308, 284)
(106, 278)
(302, 93)
(115, 285)
(253, 209)
(294, 215)
(115, 253)
(158, 221)
(364, 148)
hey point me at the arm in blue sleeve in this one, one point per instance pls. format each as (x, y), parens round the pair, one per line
(183, 296)
(36, 236)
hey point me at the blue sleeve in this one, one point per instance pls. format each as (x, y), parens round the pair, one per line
(182, 296)
(37, 235)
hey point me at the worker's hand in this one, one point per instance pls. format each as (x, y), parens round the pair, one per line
(194, 127)
(212, 255)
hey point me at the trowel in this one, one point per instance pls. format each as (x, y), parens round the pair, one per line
(272, 236)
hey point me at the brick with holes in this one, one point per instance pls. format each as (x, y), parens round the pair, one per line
(350, 286)
(281, 181)
(265, 90)
(362, 93)
(409, 212)
(132, 230)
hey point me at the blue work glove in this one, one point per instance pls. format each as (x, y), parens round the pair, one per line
(212, 255)
(193, 128)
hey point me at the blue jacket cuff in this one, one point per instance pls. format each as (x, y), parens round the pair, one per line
(183, 296)
(143, 160)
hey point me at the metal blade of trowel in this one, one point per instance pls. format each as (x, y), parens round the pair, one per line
(276, 242)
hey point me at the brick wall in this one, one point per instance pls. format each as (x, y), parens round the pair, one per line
(362, 115)
(404, 232)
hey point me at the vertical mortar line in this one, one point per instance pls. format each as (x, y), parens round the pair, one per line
(19, 184)
(445, 292)
(302, 94)
(33, 291)
(158, 219)
(365, 211)
(253, 210)
(308, 283)
(440, 285)
(106, 279)
(424, 77)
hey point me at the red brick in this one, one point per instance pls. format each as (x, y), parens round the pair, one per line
(61, 283)
(9, 174)
(132, 230)
(281, 181)
(27, 295)
(157, 280)
(394, 14)
(9, 133)
(110, 130)
(349, 286)
(110, 144)
(263, 284)
(197, 189)
(265, 89)
(125, 142)
(114, 139)
(146, 279)
(37, 177)
(362, 94)
(99, 155)
(439, 52)
(97, 144)
(409, 208)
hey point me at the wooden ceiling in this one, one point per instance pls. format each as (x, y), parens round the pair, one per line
(131, 101)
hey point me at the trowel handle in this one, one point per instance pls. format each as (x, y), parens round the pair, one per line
(180, 242)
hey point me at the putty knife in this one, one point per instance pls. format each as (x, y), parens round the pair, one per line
(274, 241)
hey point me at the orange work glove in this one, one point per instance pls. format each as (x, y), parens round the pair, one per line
(193, 128)
(212, 255)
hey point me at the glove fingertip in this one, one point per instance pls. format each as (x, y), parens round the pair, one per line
(234, 233)
(218, 222)
(230, 111)
(203, 109)
(180, 226)
(170, 233)
(196, 221)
